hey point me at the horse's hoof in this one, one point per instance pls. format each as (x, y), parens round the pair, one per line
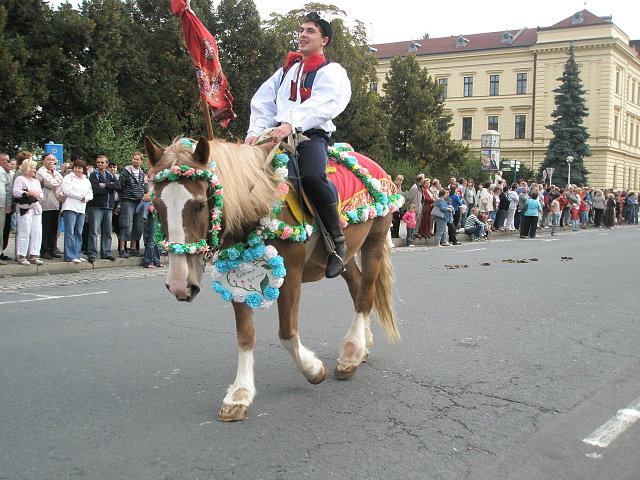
(343, 373)
(320, 377)
(365, 357)
(233, 413)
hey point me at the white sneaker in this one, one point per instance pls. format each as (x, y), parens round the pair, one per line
(76, 260)
(36, 260)
(82, 259)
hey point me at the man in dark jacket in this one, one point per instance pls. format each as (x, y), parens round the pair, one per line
(104, 185)
(134, 186)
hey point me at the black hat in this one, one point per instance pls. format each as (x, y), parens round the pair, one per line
(327, 30)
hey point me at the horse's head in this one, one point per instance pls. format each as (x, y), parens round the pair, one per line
(181, 203)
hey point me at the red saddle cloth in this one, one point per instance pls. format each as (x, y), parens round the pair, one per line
(352, 192)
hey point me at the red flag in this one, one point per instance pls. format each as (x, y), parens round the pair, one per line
(204, 52)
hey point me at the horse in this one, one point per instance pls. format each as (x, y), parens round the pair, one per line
(249, 191)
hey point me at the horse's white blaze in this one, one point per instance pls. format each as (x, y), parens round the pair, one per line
(175, 196)
(354, 342)
(304, 359)
(243, 382)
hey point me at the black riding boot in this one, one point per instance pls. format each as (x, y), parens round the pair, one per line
(331, 220)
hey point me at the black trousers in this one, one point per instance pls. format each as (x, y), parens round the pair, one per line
(313, 169)
(49, 231)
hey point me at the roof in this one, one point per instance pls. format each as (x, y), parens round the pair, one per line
(487, 41)
(582, 18)
(476, 41)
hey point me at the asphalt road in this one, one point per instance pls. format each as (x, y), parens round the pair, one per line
(505, 366)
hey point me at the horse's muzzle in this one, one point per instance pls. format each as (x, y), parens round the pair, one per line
(187, 294)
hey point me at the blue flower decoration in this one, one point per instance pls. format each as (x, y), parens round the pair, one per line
(353, 216)
(227, 296)
(258, 251)
(279, 272)
(271, 293)
(233, 253)
(276, 262)
(247, 256)
(253, 300)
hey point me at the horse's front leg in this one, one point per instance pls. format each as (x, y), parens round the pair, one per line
(304, 359)
(241, 393)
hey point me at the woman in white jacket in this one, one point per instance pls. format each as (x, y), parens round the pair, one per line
(77, 189)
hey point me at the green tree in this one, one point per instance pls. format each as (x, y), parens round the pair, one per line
(248, 57)
(570, 135)
(419, 131)
(24, 53)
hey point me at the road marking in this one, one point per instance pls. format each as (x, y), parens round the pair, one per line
(607, 433)
(552, 240)
(52, 297)
(471, 250)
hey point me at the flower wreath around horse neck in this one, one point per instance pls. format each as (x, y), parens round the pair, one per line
(175, 173)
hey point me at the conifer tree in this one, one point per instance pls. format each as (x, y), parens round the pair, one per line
(570, 135)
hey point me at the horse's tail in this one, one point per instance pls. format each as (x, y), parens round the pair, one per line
(384, 290)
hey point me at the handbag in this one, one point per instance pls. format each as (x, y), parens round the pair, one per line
(57, 192)
(437, 212)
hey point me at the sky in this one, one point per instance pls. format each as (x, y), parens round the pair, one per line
(410, 20)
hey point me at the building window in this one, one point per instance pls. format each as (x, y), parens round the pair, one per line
(492, 123)
(467, 123)
(616, 121)
(373, 86)
(618, 73)
(494, 84)
(521, 83)
(445, 83)
(468, 87)
(521, 125)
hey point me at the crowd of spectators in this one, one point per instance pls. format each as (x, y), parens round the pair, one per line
(444, 211)
(92, 201)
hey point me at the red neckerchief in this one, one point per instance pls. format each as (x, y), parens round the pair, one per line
(311, 64)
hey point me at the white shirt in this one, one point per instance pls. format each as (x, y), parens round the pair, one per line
(330, 95)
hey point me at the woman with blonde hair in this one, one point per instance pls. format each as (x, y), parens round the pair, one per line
(27, 193)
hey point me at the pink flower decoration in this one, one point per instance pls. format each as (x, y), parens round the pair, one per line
(176, 169)
(215, 215)
(364, 171)
(286, 232)
(343, 222)
(189, 172)
(282, 188)
(372, 212)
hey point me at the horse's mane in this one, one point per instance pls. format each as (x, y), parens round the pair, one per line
(248, 185)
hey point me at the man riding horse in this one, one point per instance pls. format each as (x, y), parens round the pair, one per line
(304, 96)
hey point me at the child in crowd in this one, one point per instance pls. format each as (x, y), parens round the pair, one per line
(575, 216)
(554, 210)
(584, 212)
(151, 251)
(410, 219)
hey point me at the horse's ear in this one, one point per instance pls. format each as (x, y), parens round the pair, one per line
(153, 153)
(201, 155)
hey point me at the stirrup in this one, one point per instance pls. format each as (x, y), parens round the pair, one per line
(335, 265)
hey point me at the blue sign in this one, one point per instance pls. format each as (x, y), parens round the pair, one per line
(56, 149)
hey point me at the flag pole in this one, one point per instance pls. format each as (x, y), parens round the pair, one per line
(207, 119)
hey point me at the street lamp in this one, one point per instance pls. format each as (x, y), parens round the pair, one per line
(569, 161)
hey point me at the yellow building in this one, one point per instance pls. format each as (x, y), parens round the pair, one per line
(504, 81)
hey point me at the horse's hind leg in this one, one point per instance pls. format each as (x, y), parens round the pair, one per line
(241, 393)
(355, 345)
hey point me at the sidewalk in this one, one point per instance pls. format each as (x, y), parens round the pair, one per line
(58, 265)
